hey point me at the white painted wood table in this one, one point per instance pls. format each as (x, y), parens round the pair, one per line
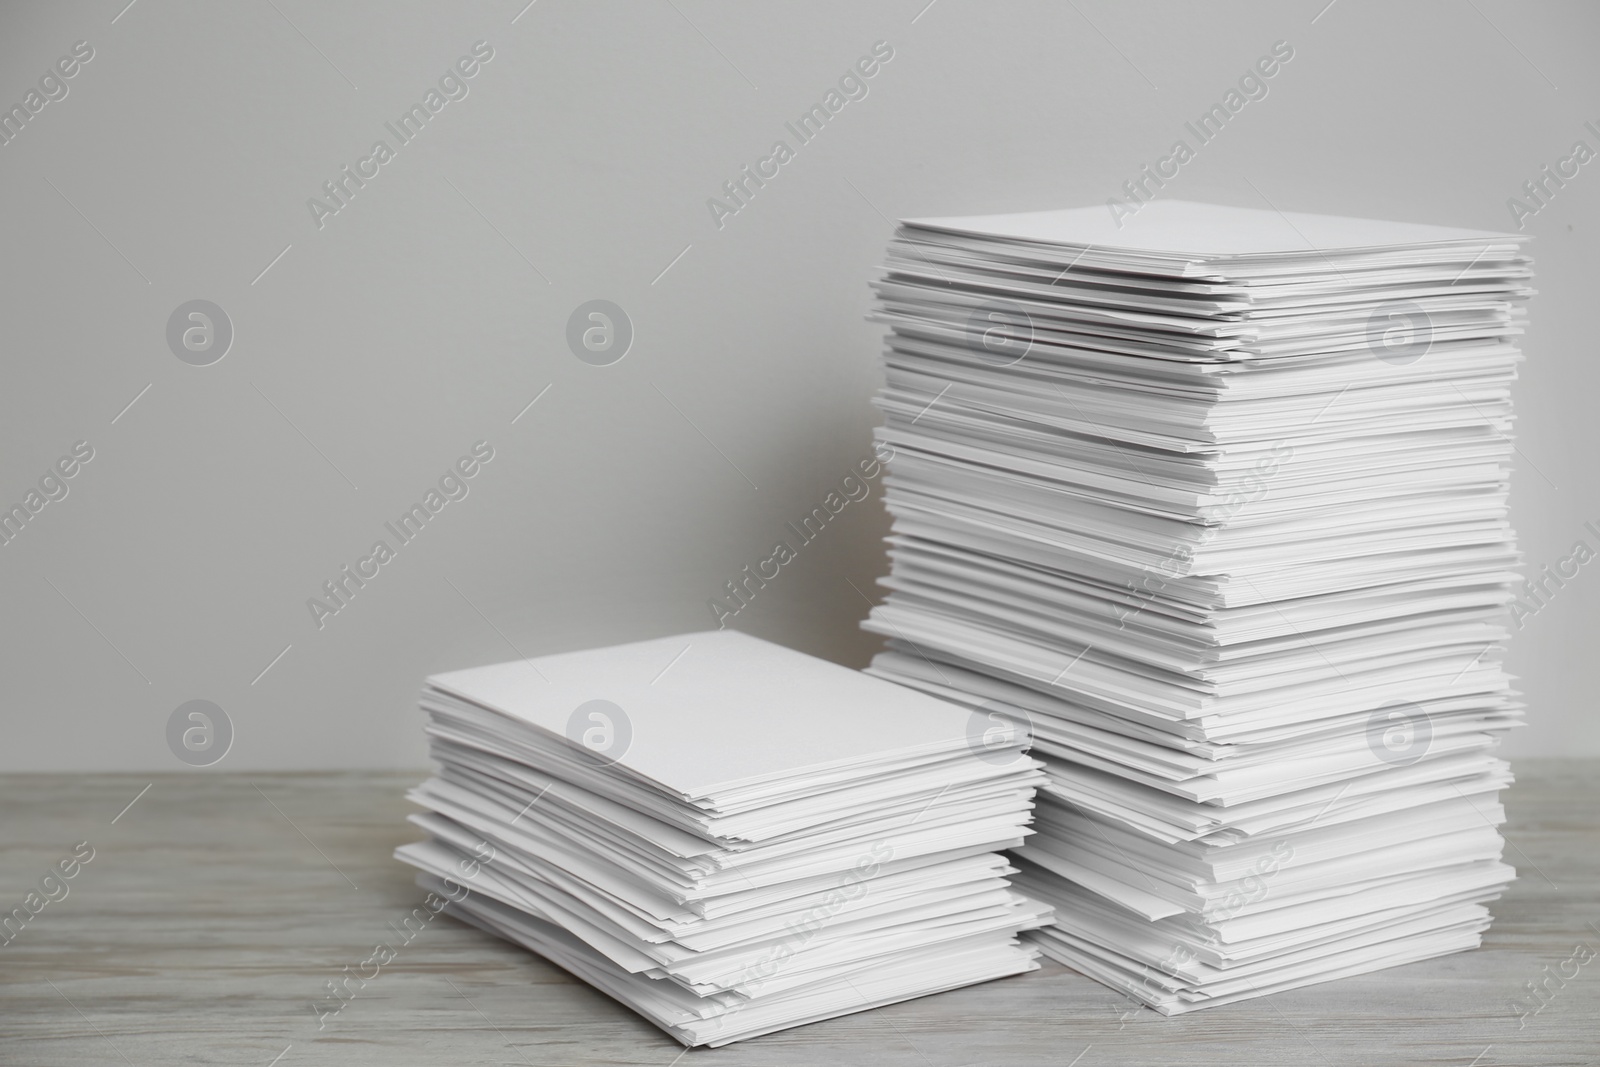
(217, 907)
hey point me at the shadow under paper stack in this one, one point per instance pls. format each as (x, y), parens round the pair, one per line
(1217, 501)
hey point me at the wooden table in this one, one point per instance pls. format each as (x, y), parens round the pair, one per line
(217, 906)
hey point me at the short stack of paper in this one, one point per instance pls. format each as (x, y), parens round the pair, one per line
(1217, 498)
(727, 836)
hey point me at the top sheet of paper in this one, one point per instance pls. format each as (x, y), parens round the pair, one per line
(1182, 227)
(730, 709)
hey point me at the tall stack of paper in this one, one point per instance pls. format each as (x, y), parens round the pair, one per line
(727, 836)
(1218, 501)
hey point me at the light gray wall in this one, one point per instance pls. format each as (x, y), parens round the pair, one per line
(424, 315)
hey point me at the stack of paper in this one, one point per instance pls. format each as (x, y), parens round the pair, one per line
(727, 836)
(1218, 501)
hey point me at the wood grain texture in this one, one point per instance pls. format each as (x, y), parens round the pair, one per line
(217, 907)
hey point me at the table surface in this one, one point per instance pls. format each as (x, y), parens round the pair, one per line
(217, 907)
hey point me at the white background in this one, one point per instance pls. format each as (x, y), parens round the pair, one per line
(413, 323)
